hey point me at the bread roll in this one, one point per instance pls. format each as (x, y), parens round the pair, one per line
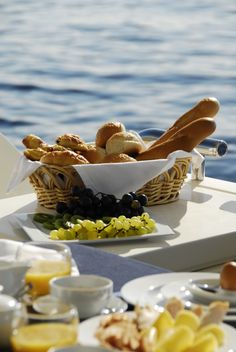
(63, 158)
(124, 142)
(207, 107)
(117, 158)
(185, 139)
(32, 141)
(72, 141)
(94, 154)
(228, 276)
(106, 131)
(34, 154)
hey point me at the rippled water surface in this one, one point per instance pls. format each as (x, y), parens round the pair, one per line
(71, 65)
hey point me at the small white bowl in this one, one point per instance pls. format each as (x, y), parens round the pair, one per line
(89, 293)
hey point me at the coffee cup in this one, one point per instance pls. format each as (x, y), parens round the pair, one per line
(89, 293)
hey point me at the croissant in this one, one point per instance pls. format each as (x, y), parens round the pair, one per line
(63, 158)
(32, 141)
(34, 154)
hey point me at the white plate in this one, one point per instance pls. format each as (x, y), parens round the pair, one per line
(207, 297)
(88, 327)
(141, 289)
(37, 233)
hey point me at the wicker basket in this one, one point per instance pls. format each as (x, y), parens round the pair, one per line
(165, 188)
(53, 184)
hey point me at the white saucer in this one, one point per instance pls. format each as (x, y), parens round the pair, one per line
(50, 305)
(194, 286)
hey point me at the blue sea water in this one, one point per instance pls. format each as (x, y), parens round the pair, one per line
(71, 65)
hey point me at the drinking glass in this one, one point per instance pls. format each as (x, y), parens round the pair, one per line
(47, 260)
(44, 329)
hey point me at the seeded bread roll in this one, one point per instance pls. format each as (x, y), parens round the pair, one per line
(63, 158)
(106, 131)
(186, 139)
(117, 158)
(207, 107)
(32, 141)
(124, 142)
(72, 141)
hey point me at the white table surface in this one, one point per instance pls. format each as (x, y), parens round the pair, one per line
(204, 221)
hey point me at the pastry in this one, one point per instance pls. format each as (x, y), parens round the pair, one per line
(63, 158)
(72, 141)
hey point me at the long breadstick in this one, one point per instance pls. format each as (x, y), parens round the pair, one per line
(205, 107)
(185, 139)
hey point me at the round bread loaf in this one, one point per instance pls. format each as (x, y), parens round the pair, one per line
(124, 142)
(228, 276)
(63, 158)
(117, 158)
(106, 131)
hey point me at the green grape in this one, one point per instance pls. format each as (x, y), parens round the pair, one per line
(118, 225)
(145, 216)
(121, 234)
(135, 222)
(141, 231)
(110, 230)
(102, 234)
(126, 224)
(151, 223)
(99, 224)
(92, 235)
(77, 227)
(112, 221)
(82, 236)
(54, 235)
(122, 218)
(69, 235)
(89, 225)
(61, 233)
(131, 232)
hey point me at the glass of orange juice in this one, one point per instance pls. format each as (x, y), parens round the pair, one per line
(41, 330)
(47, 260)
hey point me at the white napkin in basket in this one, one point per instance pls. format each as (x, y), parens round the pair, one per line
(112, 178)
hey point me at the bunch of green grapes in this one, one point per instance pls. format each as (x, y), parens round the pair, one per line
(116, 227)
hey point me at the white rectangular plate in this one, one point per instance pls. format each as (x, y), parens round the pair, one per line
(38, 233)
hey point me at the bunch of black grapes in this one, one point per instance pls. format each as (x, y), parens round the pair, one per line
(85, 203)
